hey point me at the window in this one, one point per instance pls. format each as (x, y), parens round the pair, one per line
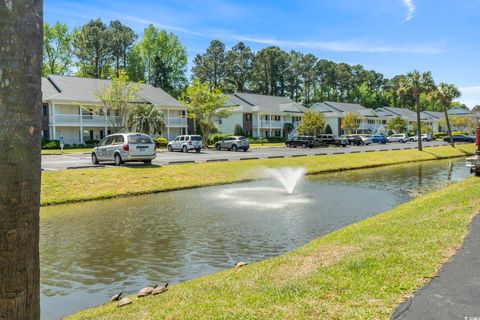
(182, 138)
(177, 139)
(102, 134)
(109, 140)
(277, 118)
(371, 121)
(187, 138)
(45, 110)
(277, 133)
(139, 138)
(118, 139)
(196, 138)
(219, 121)
(102, 143)
(384, 121)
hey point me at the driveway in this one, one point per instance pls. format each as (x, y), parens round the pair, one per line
(73, 161)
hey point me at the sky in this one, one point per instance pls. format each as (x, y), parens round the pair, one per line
(389, 36)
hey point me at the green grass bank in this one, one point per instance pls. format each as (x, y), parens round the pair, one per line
(91, 184)
(362, 271)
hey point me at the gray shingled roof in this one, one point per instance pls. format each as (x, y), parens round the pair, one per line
(433, 114)
(265, 104)
(394, 112)
(351, 107)
(48, 90)
(238, 104)
(86, 90)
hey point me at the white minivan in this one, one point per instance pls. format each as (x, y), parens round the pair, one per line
(186, 143)
(125, 147)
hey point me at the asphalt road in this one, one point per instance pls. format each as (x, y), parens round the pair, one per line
(75, 161)
(455, 292)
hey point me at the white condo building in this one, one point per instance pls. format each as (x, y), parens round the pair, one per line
(73, 110)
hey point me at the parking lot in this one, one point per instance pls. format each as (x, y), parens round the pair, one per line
(74, 161)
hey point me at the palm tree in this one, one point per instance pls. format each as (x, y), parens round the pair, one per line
(146, 119)
(413, 85)
(20, 124)
(445, 93)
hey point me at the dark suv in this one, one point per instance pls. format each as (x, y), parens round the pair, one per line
(300, 141)
(331, 140)
(353, 140)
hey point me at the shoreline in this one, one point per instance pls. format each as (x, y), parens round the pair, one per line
(57, 187)
(363, 270)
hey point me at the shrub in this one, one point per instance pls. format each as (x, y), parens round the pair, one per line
(51, 144)
(160, 142)
(217, 137)
(81, 145)
(438, 135)
(238, 130)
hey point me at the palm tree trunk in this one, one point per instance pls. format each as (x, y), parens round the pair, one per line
(449, 129)
(419, 125)
(21, 23)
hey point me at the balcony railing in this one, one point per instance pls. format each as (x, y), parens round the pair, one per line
(265, 124)
(75, 119)
(176, 122)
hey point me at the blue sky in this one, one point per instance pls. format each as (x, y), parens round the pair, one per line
(389, 36)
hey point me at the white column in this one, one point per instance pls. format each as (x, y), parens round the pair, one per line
(54, 130)
(258, 124)
(168, 124)
(270, 125)
(81, 124)
(105, 132)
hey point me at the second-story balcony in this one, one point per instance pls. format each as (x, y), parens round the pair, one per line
(77, 120)
(176, 122)
(266, 124)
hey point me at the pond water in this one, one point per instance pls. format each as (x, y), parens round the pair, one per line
(89, 251)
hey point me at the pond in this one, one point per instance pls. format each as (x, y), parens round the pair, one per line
(91, 250)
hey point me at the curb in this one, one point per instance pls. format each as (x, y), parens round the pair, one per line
(216, 160)
(87, 167)
(181, 162)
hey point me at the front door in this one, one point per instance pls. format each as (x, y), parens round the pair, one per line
(247, 124)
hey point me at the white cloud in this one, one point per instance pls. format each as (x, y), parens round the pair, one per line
(358, 46)
(411, 9)
(470, 96)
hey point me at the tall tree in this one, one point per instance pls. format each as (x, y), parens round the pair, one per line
(414, 84)
(445, 94)
(121, 39)
(349, 122)
(269, 73)
(211, 66)
(239, 66)
(294, 81)
(146, 119)
(57, 49)
(308, 76)
(21, 24)
(93, 50)
(165, 60)
(312, 123)
(135, 65)
(118, 100)
(205, 104)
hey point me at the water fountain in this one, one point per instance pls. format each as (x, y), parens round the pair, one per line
(263, 196)
(288, 177)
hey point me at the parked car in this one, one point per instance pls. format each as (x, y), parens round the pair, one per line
(353, 140)
(124, 147)
(378, 138)
(233, 143)
(425, 137)
(300, 141)
(366, 140)
(399, 137)
(460, 138)
(186, 143)
(331, 140)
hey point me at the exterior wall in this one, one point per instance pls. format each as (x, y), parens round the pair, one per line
(227, 125)
(70, 134)
(334, 124)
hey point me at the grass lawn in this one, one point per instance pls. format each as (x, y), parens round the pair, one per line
(88, 184)
(65, 151)
(362, 271)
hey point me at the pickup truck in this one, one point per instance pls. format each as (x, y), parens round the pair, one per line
(331, 140)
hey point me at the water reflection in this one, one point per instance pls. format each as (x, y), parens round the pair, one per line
(91, 250)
